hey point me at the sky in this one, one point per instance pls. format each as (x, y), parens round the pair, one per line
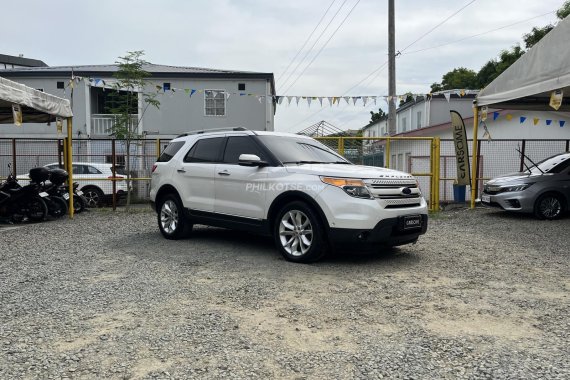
(265, 36)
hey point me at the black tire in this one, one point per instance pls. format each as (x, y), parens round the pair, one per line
(79, 203)
(307, 242)
(171, 220)
(93, 196)
(57, 207)
(36, 209)
(549, 206)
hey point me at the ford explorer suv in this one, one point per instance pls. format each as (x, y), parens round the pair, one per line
(309, 198)
(543, 189)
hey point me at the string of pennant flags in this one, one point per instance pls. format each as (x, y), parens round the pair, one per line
(283, 99)
(332, 100)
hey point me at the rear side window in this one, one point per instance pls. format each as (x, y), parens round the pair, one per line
(205, 150)
(170, 151)
(240, 145)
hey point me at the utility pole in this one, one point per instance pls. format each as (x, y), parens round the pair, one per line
(391, 70)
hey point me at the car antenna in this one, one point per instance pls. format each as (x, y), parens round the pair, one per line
(528, 158)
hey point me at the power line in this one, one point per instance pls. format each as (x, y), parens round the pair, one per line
(322, 47)
(438, 25)
(477, 35)
(314, 43)
(307, 40)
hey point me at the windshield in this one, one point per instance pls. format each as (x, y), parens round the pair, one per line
(552, 164)
(297, 150)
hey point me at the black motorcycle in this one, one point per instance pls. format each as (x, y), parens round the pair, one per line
(58, 177)
(57, 206)
(20, 202)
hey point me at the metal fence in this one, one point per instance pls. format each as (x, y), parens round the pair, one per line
(412, 155)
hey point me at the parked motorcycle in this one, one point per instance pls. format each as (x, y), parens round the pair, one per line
(20, 202)
(58, 177)
(57, 206)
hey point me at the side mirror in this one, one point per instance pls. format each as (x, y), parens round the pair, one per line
(251, 160)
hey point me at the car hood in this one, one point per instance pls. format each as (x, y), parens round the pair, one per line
(517, 177)
(347, 171)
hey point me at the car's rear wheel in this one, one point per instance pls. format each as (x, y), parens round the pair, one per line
(549, 206)
(299, 234)
(93, 196)
(171, 220)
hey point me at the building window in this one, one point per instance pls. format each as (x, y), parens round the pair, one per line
(404, 124)
(241, 86)
(166, 86)
(214, 103)
(60, 85)
(419, 119)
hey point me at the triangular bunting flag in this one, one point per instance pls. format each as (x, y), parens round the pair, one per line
(509, 117)
(364, 100)
(297, 98)
(321, 100)
(548, 122)
(347, 99)
(562, 122)
(447, 96)
(228, 94)
(192, 91)
(354, 99)
(375, 98)
(335, 99)
(289, 98)
(495, 115)
(309, 101)
(330, 98)
(522, 119)
(260, 98)
(535, 120)
(187, 91)
(462, 93)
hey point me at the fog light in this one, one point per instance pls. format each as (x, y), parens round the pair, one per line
(514, 203)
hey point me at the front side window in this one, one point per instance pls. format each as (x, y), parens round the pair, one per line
(205, 151)
(239, 145)
(214, 103)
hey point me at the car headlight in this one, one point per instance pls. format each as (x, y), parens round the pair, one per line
(353, 187)
(520, 187)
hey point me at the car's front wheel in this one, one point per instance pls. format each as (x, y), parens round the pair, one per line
(549, 206)
(171, 220)
(299, 233)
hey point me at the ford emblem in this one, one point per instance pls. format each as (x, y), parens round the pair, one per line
(406, 191)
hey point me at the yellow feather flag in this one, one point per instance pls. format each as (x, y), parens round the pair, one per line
(535, 120)
(509, 117)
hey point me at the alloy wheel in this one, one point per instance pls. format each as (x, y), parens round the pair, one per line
(169, 218)
(550, 207)
(295, 233)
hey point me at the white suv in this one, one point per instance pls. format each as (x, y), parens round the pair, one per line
(292, 187)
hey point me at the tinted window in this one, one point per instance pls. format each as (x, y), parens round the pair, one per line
(205, 150)
(240, 145)
(560, 167)
(92, 170)
(170, 151)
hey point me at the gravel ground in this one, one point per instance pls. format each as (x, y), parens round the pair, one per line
(483, 294)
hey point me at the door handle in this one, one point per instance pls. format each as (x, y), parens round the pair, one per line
(225, 172)
(181, 170)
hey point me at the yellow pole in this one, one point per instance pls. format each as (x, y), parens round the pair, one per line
(69, 165)
(341, 146)
(387, 153)
(474, 154)
(436, 159)
(157, 148)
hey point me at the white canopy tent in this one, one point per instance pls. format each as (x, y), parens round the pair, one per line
(528, 83)
(37, 106)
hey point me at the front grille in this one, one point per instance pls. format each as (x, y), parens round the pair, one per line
(395, 193)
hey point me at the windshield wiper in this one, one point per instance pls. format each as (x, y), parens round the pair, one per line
(341, 162)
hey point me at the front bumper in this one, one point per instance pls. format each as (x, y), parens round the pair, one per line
(517, 201)
(387, 232)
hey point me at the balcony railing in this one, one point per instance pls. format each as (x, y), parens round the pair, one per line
(102, 124)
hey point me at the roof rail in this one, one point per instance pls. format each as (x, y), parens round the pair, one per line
(199, 132)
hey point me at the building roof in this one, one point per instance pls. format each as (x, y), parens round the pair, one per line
(21, 61)
(156, 71)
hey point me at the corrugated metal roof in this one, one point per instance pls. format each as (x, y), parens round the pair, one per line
(151, 68)
(21, 61)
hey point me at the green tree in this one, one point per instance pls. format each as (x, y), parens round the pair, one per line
(131, 84)
(377, 116)
(407, 97)
(457, 78)
(536, 34)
